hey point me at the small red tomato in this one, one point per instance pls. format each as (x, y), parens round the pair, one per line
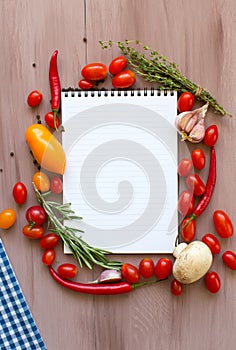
(163, 268)
(49, 241)
(229, 258)
(223, 224)
(198, 158)
(36, 215)
(35, 232)
(184, 167)
(176, 287)
(130, 273)
(146, 268)
(34, 98)
(185, 102)
(85, 84)
(19, 193)
(211, 135)
(195, 184)
(52, 122)
(212, 282)
(67, 270)
(94, 71)
(56, 185)
(185, 203)
(212, 242)
(117, 65)
(48, 257)
(124, 79)
(188, 229)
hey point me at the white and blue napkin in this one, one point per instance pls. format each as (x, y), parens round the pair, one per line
(18, 330)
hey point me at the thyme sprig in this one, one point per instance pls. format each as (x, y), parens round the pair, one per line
(85, 254)
(154, 67)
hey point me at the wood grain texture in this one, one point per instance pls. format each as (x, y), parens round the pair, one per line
(200, 37)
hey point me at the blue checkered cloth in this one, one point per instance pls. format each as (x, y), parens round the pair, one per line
(18, 330)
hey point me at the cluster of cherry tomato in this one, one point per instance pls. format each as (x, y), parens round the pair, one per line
(36, 218)
(196, 188)
(95, 72)
(34, 99)
(148, 269)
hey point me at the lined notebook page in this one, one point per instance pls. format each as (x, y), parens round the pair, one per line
(121, 172)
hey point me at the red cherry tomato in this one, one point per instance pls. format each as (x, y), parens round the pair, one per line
(212, 281)
(188, 230)
(94, 71)
(130, 273)
(85, 84)
(195, 184)
(163, 268)
(49, 120)
(36, 215)
(48, 257)
(229, 258)
(67, 270)
(185, 102)
(211, 135)
(184, 167)
(176, 287)
(212, 242)
(34, 98)
(146, 268)
(35, 232)
(185, 203)
(124, 79)
(223, 224)
(198, 158)
(49, 241)
(19, 193)
(56, 185)
(117, 65)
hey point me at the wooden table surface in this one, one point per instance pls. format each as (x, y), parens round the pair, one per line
(200, 37)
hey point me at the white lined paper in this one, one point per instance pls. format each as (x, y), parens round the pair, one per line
(121, 168)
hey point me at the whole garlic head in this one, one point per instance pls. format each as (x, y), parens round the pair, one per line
(191, 125)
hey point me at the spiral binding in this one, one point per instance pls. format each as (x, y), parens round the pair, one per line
(70, 92)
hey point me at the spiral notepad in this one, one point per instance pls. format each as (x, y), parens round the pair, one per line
(121, 172)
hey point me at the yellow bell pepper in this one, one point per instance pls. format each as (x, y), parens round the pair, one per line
(46, 149)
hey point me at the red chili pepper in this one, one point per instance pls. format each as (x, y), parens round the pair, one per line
(96, 289)
(55, 86)
(210, 185)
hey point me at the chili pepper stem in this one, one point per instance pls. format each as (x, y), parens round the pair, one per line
(141, 284)
(55, 111)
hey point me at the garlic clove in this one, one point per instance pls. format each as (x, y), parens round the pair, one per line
(202, 111)
(191, 123)
(107, 276)
(198, 132)
(183, 119)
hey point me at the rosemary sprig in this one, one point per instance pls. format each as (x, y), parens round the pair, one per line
(154, 67)
(85, 254)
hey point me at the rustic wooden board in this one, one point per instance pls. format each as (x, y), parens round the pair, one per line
(200, 37)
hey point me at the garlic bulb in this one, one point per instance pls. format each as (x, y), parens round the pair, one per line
(191, 124)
